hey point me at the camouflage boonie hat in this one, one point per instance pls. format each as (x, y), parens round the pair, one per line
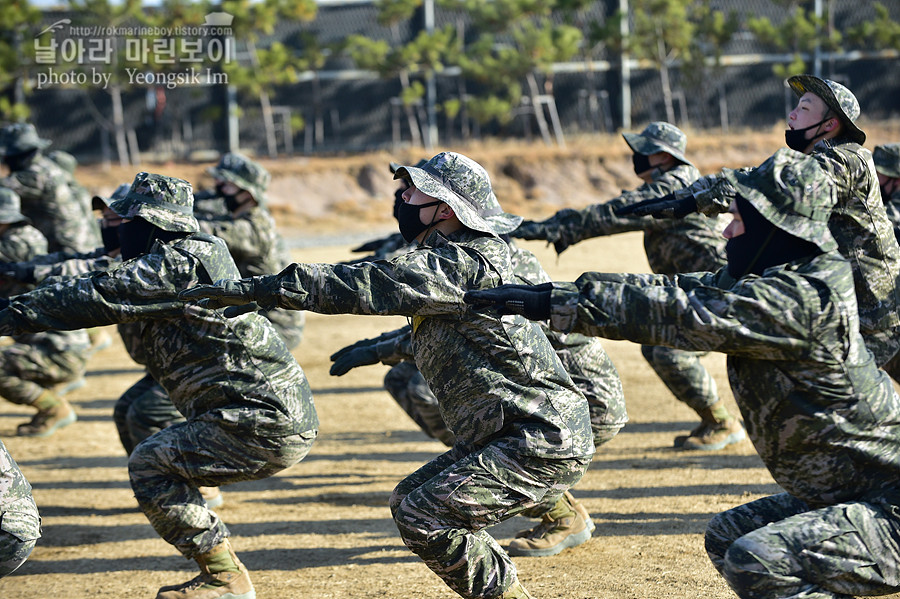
(838, 98)
(460, 182)
(19, 138)
(100, 202)
(502, 222)
(791, 191)
(163, 201)
(244, 173)
(887, 159)
(11, 207)
(659, 136)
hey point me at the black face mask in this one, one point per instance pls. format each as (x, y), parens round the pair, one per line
(110, 236)
(398, 201)
(136, 236)
(795, 139)
(762, 245)
(641, 163)
(21, 161)
(410, 223)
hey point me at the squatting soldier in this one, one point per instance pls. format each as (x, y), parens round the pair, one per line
(566, 524)
(46, 196)
(37, 369)
(672, 246)
(247, 403)
(887, 165)
(249, 231)
(823, 417)
(21, 522)
(522, 427)
(823, 125)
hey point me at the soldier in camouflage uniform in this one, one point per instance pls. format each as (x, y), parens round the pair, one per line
(823, 125)
(567, 523)
(887, 166)
(672, 246)
(248, 230)
(47, 198)
(37, 369)
(823, 417)
(20, 523)
(522, 427)
(247, 403)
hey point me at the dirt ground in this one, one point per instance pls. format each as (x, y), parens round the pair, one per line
(322, 528)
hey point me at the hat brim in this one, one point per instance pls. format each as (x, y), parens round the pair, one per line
(430, 185)
(225, 175)
(168, 219)
(642, 145)
(818, 233)
(99, 203)
(802, 84)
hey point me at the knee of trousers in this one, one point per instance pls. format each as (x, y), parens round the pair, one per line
(743, 570)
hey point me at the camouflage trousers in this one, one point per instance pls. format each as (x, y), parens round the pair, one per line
(443, 509)
(885, 346)
(144, 409)
(778, 547)
(606, 402)
(13, 552)
(26, 370)
(683, 374)
(166, 468)
(19, 532)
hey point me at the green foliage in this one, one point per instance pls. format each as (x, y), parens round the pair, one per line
(16, 51)
(488, 108)
(881, 33)
(391, 12)
(662, 30)
(801, 32)
(498, 15)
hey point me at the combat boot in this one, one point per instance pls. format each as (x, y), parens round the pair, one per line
(562, 527)
(53, 414)
(717, 429)
(516, 591)
(212, 496)
(222, 576)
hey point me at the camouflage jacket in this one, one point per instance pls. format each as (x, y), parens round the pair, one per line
(691, 244)
(578, 353)
(859, 224)
(18, 515)
(237, 369)
(492, 377)
(257, 249)
(823, 417)
(51, 205)
(23, 243)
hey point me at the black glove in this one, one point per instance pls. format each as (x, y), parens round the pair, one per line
(531, 301)
(668, 206)
(350, 357)
(17, 271)
(369, 246)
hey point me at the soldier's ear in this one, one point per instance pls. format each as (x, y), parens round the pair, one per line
(445, 212)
